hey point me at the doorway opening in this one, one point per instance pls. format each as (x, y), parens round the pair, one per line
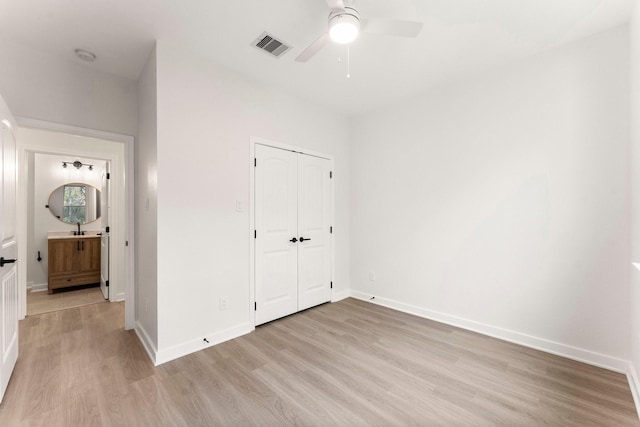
(44, 149)
(68, 207)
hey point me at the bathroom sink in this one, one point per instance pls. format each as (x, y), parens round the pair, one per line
(70, 235)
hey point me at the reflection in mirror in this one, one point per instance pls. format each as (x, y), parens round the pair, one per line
(75, 203)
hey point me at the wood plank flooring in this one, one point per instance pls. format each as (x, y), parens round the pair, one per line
(349, 363)
(43, 302)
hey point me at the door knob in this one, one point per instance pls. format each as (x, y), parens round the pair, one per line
(6, 261)
(302, 239)
(293, 240)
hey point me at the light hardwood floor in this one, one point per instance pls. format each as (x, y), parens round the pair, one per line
(43, 302)
(346, 364)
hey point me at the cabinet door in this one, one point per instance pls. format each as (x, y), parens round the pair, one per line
(89, 255)
(63, 258)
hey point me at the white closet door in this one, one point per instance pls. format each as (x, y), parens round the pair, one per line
(314, 249)
(8, 252)
(276, 261)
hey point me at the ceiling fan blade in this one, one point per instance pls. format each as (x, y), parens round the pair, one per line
(391, 27)
(335, 4)
(313, 48)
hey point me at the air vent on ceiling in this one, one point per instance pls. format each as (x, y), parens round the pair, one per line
(269, 44)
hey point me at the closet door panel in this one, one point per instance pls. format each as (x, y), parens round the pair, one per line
(314, 252)
(276, 224)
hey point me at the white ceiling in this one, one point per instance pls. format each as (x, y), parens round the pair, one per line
(459, 37)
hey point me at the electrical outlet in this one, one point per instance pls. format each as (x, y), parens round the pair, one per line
(372, 276)
(223, 303)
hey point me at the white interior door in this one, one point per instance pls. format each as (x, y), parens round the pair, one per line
(314, 249)
(276, 226)
(105, 205)
(293, 239)
(8, 253)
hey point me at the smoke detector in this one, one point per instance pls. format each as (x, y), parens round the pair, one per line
(85, 55)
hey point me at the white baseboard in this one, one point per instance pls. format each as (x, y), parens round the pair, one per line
(146, 342)
(570, 352)
(337, 296)
(632, 377)
(171, 353)
(38, 287)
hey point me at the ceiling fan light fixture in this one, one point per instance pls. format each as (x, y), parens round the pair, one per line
(344, 26)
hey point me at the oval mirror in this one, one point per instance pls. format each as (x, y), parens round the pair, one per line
(75, 203)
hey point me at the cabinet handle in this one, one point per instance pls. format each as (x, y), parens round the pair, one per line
(302, 239)
(82, 245)
(78, 244)
(293, 240)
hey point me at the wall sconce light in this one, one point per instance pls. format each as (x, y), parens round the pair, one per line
(78, 164)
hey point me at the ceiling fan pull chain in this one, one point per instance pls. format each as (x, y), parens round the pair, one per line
(348, 62)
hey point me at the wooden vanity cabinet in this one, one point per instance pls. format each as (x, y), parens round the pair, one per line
(73, 262)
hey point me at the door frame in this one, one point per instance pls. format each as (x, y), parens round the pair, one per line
(105, 202)
(125, 249)
(253, 141)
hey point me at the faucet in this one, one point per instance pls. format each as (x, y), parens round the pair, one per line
(78, 233)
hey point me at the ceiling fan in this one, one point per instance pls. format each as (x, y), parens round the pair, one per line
(345, 24)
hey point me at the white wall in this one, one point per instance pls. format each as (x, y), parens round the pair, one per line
(39, 86)
(635, 200)
(147, 208)
(502, 203)
(206, 116)
(48, 174)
